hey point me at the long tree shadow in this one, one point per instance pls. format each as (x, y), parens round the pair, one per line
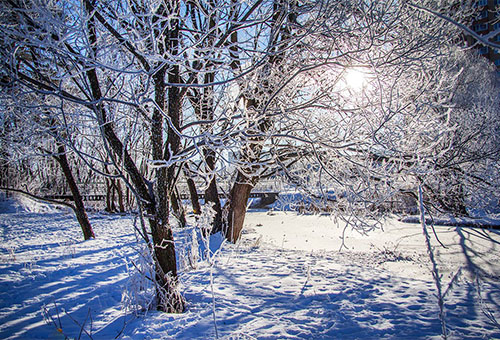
(269, 294)
(483, 268)
(73, 281)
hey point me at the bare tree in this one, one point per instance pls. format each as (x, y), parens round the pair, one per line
(356, 140)
(79, 65)
(46, 141)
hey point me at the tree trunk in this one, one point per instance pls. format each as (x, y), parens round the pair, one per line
(130, 199)
(193, 193)
(109, 207)
(237, 208)
(121, 206)
(211, 193)
(168, 298)
(212, 196)
(113, 195)
(81, 214)
(177, 207)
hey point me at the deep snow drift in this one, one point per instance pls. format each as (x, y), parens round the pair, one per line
(286, 279)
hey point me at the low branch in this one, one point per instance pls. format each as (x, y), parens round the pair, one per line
(40, 198)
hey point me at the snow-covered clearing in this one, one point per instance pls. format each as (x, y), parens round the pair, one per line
(286, 279)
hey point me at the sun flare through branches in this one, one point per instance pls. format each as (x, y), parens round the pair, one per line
(356, 78)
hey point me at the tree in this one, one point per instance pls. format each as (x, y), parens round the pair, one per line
(465, 174)
(34, 132)
(433, 123)
(353, 142)
(76, 62)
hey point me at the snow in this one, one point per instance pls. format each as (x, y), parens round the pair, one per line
(286, 279)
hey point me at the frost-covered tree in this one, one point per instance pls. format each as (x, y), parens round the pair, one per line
(466, 174)
(86, 68)
(333, 104)
(35, 154)
(384, 130)
(31, 130)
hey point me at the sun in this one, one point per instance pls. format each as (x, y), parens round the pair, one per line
(355, 78)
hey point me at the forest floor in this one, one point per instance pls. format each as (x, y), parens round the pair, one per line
(286, 279)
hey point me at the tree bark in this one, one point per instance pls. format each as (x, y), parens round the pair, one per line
(193, 193)
(177, 207)
(238, 200)
(168, 299)
(109, 201)
(81, 214)
(119, 190)
(211, 193)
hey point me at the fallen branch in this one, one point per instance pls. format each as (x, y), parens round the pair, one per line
(40, 198)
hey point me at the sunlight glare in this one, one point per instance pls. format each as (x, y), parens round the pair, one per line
(355, 79)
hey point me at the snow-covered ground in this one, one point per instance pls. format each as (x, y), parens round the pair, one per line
(286, 279)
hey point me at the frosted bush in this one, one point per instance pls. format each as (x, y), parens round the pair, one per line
(139, 292)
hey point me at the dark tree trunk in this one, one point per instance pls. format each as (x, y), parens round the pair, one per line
(177, 207)
(193, 193)
(211, 193)
(113, 195)
(168, 299)
(238, 200)
(163, 240)
(81, 214)
(119, 190)
(129, 198)
(109, 200)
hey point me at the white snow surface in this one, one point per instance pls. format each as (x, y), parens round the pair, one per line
(286, 279)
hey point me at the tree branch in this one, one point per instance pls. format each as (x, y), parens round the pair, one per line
(40, 198)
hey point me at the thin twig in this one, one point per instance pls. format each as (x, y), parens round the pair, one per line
(78, 324)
